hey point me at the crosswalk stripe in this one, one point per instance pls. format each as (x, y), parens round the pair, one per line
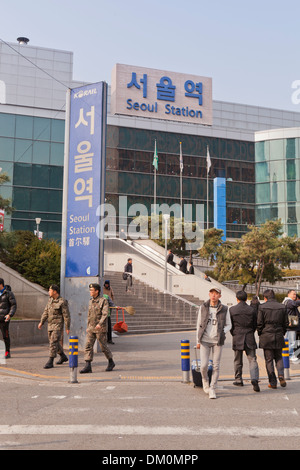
(148, 430)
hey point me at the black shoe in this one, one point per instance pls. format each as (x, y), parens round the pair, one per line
(87, 368)
(49, 364)
(238, 384)
(255, 385)
(63, 358)
(110, 366)
(282, 381)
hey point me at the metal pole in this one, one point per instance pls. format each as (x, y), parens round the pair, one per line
(154, 190)
(155, 181)
(65, 196)
(103, 177)
(207, 196)
(166, 218)
(181, 170)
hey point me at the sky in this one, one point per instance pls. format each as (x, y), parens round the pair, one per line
(250, 49)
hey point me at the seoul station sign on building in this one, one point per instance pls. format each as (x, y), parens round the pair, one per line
(143, 92)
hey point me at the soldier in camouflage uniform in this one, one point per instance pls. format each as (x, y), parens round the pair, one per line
(57, 313)
(97, 329)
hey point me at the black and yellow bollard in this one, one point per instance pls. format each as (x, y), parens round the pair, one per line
(73, 359)
(286, 360)
(185, 361)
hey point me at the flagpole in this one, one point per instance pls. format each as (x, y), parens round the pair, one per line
(181, 169)
(155, 181)
(154, 190)
(207, 196)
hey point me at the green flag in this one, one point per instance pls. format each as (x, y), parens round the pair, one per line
(155, 158)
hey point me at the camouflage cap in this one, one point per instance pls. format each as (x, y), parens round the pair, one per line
(94, 286)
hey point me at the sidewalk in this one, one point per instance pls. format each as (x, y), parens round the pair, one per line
(153, 357)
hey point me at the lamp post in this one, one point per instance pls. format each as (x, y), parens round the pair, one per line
(166, 218)
(38, 221)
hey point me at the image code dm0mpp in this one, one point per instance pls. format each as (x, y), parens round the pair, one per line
(169, 459)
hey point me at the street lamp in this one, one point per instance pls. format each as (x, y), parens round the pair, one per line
(166, 218)
(37, 221)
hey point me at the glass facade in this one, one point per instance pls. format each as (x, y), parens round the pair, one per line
(278, 182)
(32, 154)
(129, 158)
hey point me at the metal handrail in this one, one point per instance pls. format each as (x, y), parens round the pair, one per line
(177, 304)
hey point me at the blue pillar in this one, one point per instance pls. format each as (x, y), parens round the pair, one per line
(220, 205)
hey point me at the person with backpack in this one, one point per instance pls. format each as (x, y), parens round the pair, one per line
(8, 307)
(292, 305)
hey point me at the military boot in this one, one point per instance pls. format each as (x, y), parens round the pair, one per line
(49, 364)
(87, 368)
(110, 366)
(63, 358)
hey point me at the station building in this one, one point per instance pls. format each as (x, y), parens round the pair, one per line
(256, 149)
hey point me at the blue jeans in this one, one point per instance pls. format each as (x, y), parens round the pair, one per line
(291, 336)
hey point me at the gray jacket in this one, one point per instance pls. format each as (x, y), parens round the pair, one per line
(223, 317)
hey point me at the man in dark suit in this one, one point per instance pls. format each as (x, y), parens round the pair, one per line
(170, 258)
(244, 320)
(183, 265)
(272, 324)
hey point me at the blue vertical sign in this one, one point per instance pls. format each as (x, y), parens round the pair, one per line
(220, 205)
(85, 179)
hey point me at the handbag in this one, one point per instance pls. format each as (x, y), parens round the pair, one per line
(124, 276)
(120, 326)
(293, 320)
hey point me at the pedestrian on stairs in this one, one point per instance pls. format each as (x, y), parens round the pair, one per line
(57, 314)
(107, 289)
(128, 272)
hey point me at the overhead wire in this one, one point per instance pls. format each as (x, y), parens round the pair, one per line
(49, 75)
(34, 64)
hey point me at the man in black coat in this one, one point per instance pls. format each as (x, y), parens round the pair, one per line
(272, 323)
(243, 319)
(183, 265)
(8, 307)
(170, 258)
(128, 272)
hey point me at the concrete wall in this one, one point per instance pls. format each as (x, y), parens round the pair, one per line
(24, 332)
(31, 298)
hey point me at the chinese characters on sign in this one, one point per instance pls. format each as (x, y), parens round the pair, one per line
(84, 180)
(137, 91)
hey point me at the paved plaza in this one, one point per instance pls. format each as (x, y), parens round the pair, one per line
(142, 404)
